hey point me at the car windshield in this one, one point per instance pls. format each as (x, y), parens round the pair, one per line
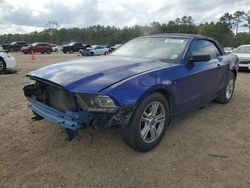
(242, 49)
(165, 49)
(13, 43)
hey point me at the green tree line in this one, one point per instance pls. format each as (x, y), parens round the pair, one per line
(221, 31)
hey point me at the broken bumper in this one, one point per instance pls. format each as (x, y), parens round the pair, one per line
(71, 120)
(74, 120)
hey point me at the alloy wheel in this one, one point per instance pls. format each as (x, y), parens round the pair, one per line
(229, 88)
(152, 122)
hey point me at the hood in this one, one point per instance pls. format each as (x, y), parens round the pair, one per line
(242, 56)
(92, 74)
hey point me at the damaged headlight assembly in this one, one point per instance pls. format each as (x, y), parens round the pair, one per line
(96, 103)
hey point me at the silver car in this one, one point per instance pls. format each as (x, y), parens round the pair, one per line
(243, 53)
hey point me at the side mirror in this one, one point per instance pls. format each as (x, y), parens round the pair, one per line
(199, 57)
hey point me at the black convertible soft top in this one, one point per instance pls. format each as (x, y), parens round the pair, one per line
(188, 36)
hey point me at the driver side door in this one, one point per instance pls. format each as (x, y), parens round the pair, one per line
(200, 79)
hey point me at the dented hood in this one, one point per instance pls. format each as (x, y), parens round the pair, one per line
(92, 74)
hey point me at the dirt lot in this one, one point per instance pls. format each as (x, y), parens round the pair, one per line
(206, 148)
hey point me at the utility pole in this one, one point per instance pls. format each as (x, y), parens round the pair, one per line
(50, 27)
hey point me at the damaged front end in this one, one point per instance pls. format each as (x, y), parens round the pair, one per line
(74, 110)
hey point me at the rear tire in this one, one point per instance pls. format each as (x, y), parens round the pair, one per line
(2, 65)
(226, 94)
(148, 123)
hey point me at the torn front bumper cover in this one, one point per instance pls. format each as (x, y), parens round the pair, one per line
(75, 120)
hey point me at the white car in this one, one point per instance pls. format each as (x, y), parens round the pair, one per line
(243, 53)
(6, 61)
(228, 49)
(98, 50)
(54, 48)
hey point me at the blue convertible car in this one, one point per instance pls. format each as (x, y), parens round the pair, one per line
(140, 87)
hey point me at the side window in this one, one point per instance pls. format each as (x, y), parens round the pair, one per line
(77, 45)
(205, 47)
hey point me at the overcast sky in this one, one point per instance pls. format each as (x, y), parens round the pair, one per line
(22, 16)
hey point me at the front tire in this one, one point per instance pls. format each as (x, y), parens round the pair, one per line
(2, 65)
(226, 94)
(148, 123)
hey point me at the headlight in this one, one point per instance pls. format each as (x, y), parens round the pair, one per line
(101, 103)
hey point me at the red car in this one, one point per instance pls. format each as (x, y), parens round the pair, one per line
(41, 47)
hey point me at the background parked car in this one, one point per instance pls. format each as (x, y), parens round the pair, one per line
(14, 46)
(54, 48)
(6, 61)
(74, 47)
(98, 50)
(243, 53)
(26, 49)
(115, 47)
(107, 46)
(228, 49)
(41, 47)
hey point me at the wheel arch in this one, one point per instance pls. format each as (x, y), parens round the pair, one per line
(169, 98)
(166, 92)
(234, 72)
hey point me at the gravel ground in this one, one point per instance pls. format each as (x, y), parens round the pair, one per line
(206, 148)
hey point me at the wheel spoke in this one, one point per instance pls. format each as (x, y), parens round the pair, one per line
(153, 132)
(145, 114)
(154, 108)
(145, 131)
(145, 119)
(160, 118)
